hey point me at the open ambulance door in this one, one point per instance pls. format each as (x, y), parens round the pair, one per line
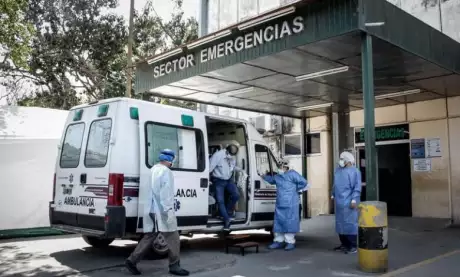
(185, 134)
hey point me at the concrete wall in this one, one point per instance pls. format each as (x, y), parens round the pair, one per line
(318, 165)
(439, 14)
(433, 193)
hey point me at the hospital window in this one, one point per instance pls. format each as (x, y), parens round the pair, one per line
(71, 147)
(188, 144)
(292, 145)
(223, 13)
(314, 143)
(97, 148)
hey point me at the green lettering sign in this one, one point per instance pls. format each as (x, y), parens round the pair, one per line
(386, 133)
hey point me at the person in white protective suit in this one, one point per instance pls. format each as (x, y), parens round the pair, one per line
(289, 184)
(159, 216)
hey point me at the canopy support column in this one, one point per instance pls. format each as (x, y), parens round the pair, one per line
(303, 136)
(369, 118)
(202, 31)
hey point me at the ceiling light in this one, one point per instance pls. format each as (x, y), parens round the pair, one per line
(313, 107)
(265, 18)
(374, 24)
(238, 91)
(397, 94)
(321, 73)
(210, 38)
(165, 55)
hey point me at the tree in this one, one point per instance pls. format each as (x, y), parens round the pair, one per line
(75, 48)
(79, 54)
(154, 36)
(14, 32)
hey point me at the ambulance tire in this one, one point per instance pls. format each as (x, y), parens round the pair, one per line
(97, 242)
(160, 247)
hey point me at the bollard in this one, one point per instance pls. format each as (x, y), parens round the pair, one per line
(373, 237)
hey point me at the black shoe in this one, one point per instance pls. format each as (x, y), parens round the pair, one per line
(175, 269)
(340, 248)
(132, 268)
(227, 226)
(352, 250)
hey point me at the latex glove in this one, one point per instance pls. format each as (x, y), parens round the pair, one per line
(171, 217)
(332, 197)
(353, 204)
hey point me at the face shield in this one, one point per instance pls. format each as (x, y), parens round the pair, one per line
(167, 156)
(232, 149)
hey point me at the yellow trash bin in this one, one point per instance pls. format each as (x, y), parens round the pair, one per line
(373, 237)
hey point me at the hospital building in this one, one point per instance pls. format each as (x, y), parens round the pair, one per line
(310, 75)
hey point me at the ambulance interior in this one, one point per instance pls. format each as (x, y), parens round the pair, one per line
(220, 134)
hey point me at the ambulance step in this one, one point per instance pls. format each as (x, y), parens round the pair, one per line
(242, 247)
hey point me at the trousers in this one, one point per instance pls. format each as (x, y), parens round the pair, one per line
(349, 241)
(285, 237)
(222, 186)
(146, 243)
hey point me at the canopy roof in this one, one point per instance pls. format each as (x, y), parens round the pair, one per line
(265, 64)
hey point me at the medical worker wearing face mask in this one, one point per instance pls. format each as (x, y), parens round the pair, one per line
(222, 165)
(159, 216)
(347, 193)
(289, 184)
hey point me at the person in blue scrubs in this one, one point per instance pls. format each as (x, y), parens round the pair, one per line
(289, 184)
(347, 194)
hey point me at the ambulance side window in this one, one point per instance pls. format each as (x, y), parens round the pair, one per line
(187, 143)
(263, 160)
(71, 147)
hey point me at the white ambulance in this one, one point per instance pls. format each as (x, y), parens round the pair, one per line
(105, 156)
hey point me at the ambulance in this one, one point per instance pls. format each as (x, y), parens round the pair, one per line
(104, 161)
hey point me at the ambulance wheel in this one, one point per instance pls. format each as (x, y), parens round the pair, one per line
(97, 242)
(160, 247)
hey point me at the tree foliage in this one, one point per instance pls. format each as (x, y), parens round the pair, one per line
(78, 50)
(14, 31)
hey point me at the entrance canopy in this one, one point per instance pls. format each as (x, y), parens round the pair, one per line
(304, 60)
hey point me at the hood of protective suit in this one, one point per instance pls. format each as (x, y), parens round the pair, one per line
(347, 157)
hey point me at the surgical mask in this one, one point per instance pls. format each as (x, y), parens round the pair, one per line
(280, 171)
(341, 163)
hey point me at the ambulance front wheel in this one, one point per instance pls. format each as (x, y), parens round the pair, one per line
(160, 247)
(97, 242)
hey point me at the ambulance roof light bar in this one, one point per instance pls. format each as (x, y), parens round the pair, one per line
(208, 39)
(319, 106)
(321, 73)
(397, 94)
(265, 18)
(165, 55)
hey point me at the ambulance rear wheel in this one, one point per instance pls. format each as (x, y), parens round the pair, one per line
(97, 242)
(160, 246)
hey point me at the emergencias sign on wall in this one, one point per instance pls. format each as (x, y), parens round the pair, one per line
(229, 47)
(385, 133)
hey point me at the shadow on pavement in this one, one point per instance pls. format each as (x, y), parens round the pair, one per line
(207, 251)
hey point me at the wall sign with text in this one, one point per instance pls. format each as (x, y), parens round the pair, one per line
(385, 133)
